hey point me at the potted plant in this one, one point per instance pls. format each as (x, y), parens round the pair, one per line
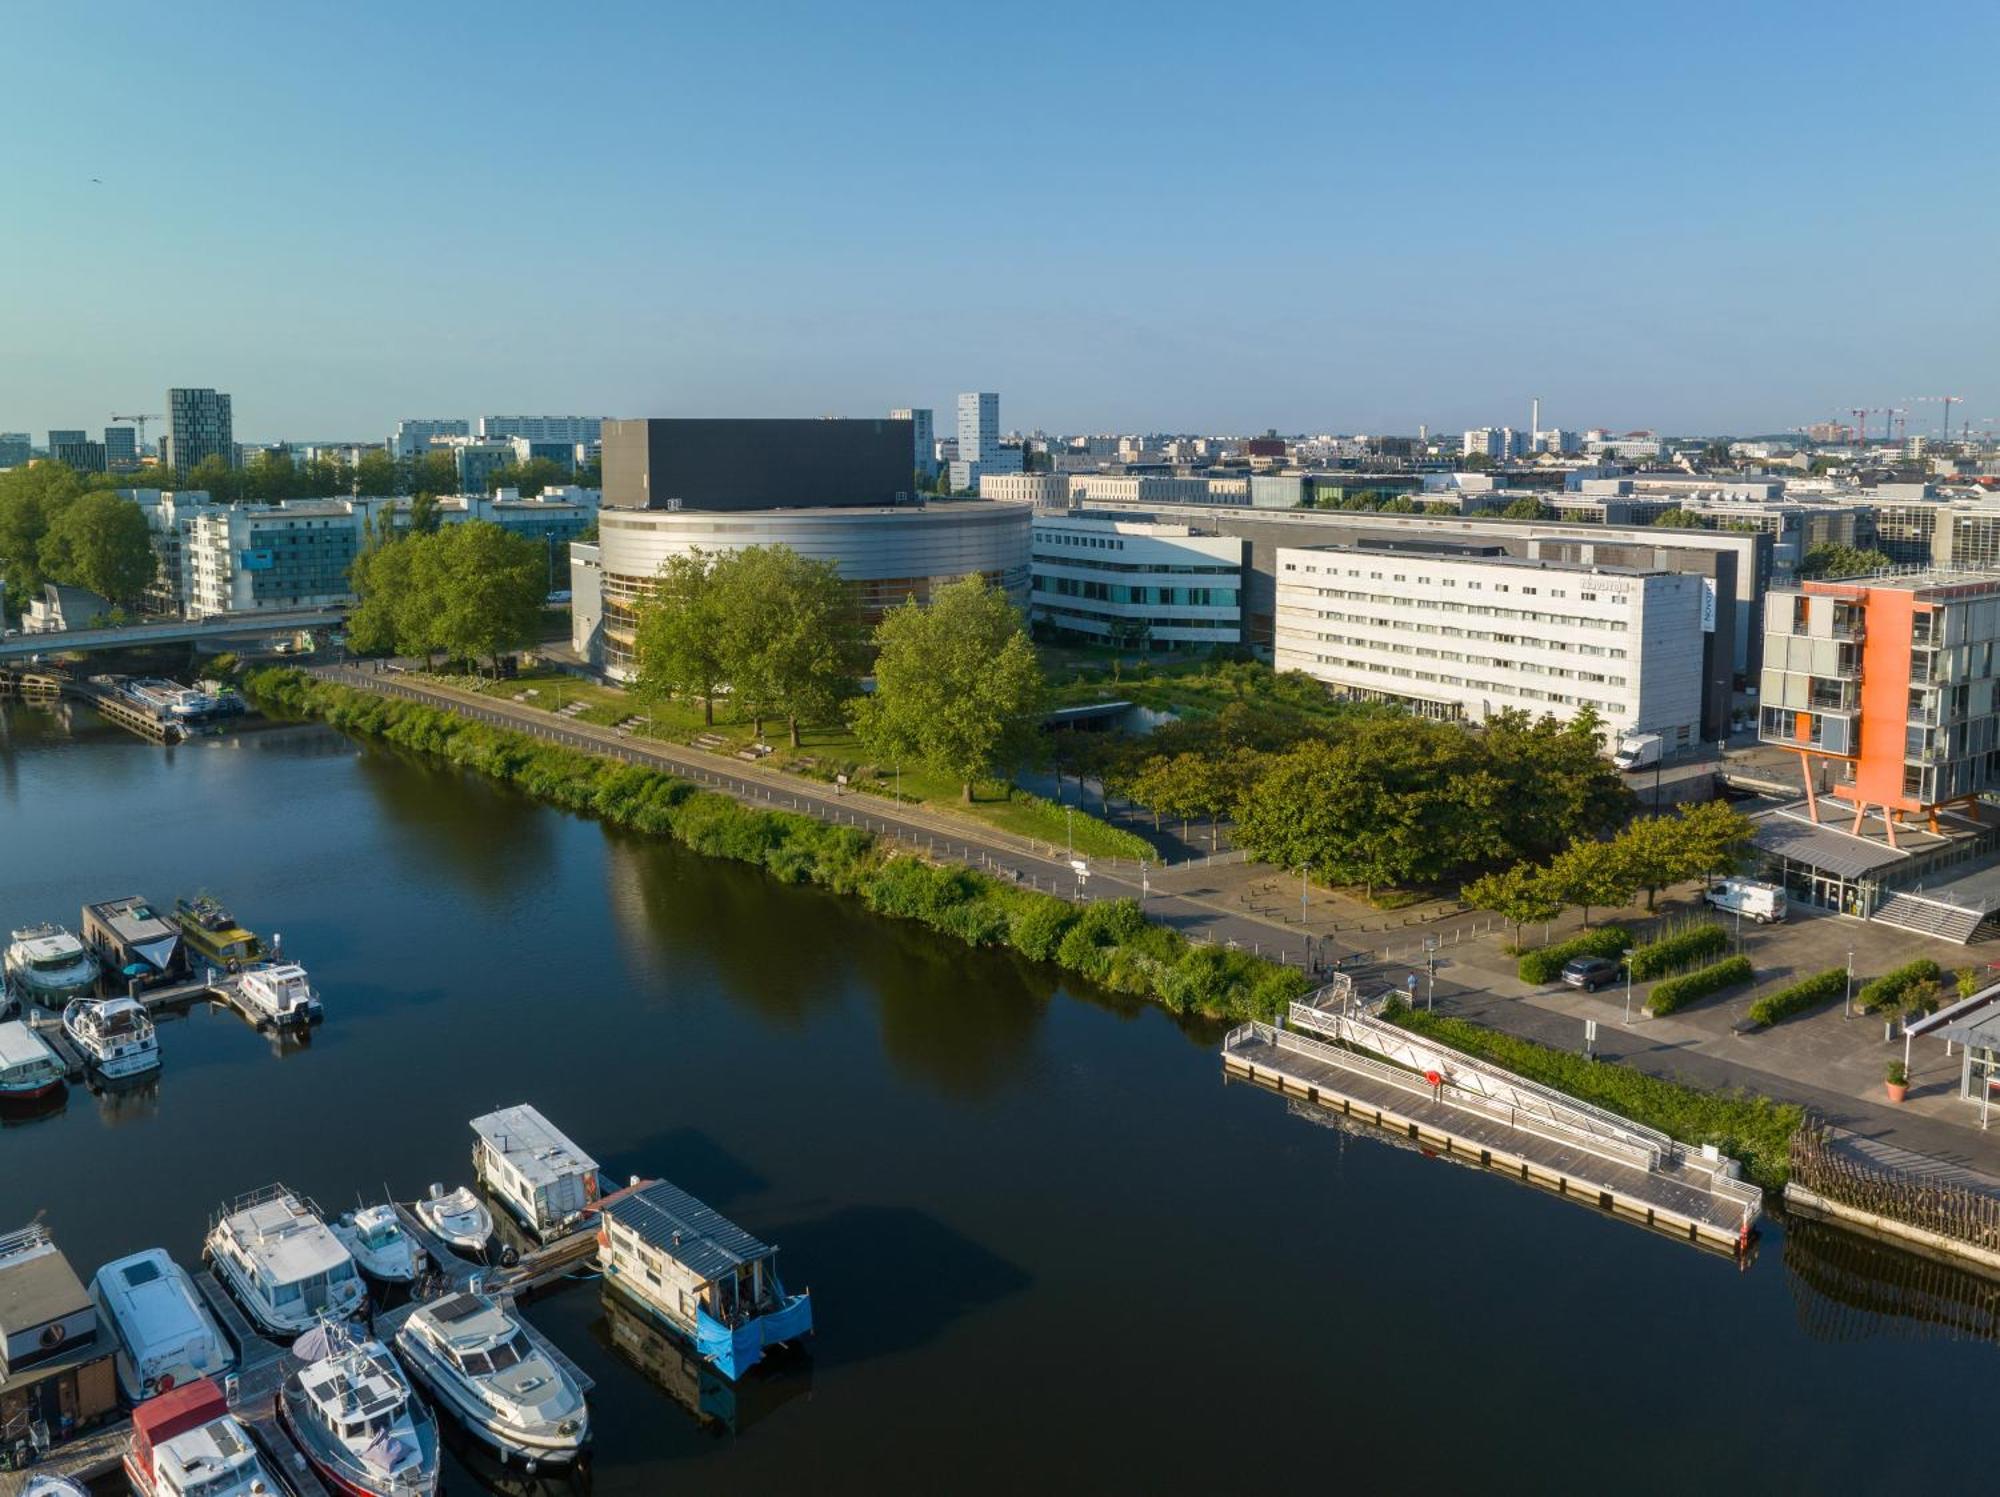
(1896, 1081)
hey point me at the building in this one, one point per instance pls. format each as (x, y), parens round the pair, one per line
(1135, 585)
(200, 425)
(121, 446)
(923, 438)
(979, 449)
(571, 431)
(15, 449)
(62, 607)
(1483, 441)
(1463, 631)
(529, 450)
(1143, 488)
(477, 459)
(83, 455)
(586, 599)
(755, 464)
(66, 437)
(247, 559)
(1043, 490)
(57, 1375)
(416, 435)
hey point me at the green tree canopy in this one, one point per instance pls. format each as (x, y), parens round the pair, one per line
(1832, 559)
(1528, 507)
(1679, 518)
(31, 499)
(99, 541)
(471, 590)
(790, 634)
(1520, 895)
(530, 478)
(679, 636)
(957, 685)
(1590, 875)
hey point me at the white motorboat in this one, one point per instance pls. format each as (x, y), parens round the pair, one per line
(379, 1244)
(276, 1255)
(165, 1336)
(48, 965)
(279, 994)
(356, 1418)
(187, 1444)
(459, 1217)
(475, 1359)
(115, 1035)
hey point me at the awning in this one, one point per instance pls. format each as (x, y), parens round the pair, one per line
(1822, 848)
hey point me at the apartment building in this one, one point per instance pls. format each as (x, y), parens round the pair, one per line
(923, 433)
(200, 425)
(416, 435)
(570, 431)
(1043, 490)
(1460, 632)
(1137, 585)
(1139, 488)
(239, 559)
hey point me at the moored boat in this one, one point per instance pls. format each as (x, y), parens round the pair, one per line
(279, 994)
(116, 1036)
(48, 965)
(54, 1486)
(543, 1180)
(135, 942)
(377, 1241)
(165, 1336)
(29, 1069)
(458, 1216)
(356, 1418)
(275, 1254)
(214, 935)
(186, 1443)
(478, 1362)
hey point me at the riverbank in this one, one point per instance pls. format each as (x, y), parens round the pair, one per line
(1109, 942)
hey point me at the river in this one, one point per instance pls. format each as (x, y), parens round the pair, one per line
(1047, 1245)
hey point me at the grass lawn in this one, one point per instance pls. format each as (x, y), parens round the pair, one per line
(1197, 686)
(823, 753)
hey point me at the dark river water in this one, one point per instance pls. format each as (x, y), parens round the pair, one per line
(1048, 1247)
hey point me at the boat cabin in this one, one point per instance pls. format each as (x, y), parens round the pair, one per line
(546, 1181)
(56, 1376)
(185, 1443)
(276, 1249)
(213, 934)
(28, 1067)
(165, 1335)
(134, 942)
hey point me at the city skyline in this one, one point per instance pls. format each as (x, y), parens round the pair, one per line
(1364, 225)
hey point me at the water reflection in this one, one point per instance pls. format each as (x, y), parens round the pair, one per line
(717, 1405)
(20, 1112)
(1851, 1288)
(123, 1103)
(459, 825)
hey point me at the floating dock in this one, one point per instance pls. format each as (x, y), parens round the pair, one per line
(1367, 1069)
(212, 989)
(573, 1253)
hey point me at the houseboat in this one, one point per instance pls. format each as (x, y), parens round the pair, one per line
(279, 995)
(699, 1275)
(458, 1216)
(474, 1358)
(116, 1036)
(277, 1257)
(55, 1360)
(377, 1241)
(47, 965)
(214, 936)
(186, 1443)
(543, 1180)
(29, 1070)
(166, 1338)
(354, 1415)
(135, 942)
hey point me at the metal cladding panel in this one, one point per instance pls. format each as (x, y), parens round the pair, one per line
(942, 541)
(738, 465)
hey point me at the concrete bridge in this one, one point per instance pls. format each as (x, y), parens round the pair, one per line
(168, 632)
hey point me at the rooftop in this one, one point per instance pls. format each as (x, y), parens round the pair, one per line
(687, 1230)
(37, 1285)
(287, 1236)
(1456, 552)
(532, 1144)
(20, 1045)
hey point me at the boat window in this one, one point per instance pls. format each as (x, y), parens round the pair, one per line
(475, 1363)
(285, 1294)
(505, 1355)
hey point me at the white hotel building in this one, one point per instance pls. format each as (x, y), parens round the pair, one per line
(1461, 634)
(1137, 585)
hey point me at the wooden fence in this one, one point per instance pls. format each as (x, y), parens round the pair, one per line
(1949, 1210)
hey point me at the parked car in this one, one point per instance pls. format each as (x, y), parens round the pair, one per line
(1591, 973)
(1747, 896)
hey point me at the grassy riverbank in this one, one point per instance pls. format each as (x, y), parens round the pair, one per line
(1109, 943)
(1758, 1130)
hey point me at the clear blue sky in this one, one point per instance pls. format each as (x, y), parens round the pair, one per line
(1149, 216)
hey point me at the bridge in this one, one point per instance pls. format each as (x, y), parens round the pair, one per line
(168, 632)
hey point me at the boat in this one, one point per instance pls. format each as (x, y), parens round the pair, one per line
(459, 1217)
(29, 1069)
(477, 1361)
(356, 1418)
(186, 1443)
(546, 1182)
(54, 1486)
(165, 1336)
(134, 941)
(48, 965)
(115, 1035)
(279, 994)
(699, 1275)
(377, 1241)
(275, 1254)
(213, 934)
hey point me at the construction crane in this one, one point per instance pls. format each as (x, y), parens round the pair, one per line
(140, 422)
(1892, 421)
(1861, 425)
(1947, 401)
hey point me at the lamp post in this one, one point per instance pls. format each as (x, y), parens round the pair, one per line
(1847, 1004)
(1430, 972)
(1628, 983)
(1069, 819)
(1304, 869)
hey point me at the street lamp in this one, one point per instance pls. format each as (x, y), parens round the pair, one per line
(1430, 972)
(1069, 819)
(1847, 1004)
(1628, 982)
(1304, 869)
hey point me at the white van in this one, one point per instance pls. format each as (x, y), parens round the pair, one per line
(1746, 896)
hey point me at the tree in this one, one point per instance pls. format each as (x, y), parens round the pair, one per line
(957, 685)
(1655, 849)
(679, 634)
(424, 516)
(31, 499)
(528, 478)
(389, 616)
(432, 473)
(100, 541)
(790, 634)
(1590, 875)
(1716, 839)
(375, 473)
(1832, 559)
(1679, 518)
(222, 483)
(1520, 895)
(1528, 507)
(486, 586)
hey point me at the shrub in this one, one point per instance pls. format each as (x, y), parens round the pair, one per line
(1546, 963)
(1680, 950)
(1757, 1130)
(1679, 992)
(1810, 992)
(1892, 988)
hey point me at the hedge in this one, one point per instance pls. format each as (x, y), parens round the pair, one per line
(1755, 1129)
(1679, 992)
(1110, 943)
(1810, 992)
(1888, 990)
(1546, 963)
(1682, 949)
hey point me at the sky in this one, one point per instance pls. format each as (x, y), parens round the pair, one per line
(1148, 217)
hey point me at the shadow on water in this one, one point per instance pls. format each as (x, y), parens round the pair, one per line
(123, 1103)
(694, 1161)
(462, 826)
(962, 1021)
(717, 1406)
(1847, 1287)
(888, 1279)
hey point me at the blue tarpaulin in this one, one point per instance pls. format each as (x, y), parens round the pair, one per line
(734, 1353)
